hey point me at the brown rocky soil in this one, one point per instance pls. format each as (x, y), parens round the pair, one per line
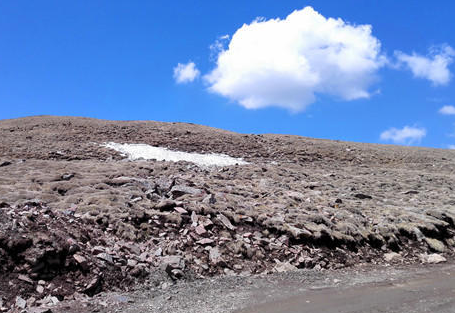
(77, 218)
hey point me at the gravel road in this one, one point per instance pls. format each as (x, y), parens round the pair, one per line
(366, 290)
(432, 291)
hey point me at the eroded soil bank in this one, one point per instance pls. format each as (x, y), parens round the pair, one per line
(78, 219)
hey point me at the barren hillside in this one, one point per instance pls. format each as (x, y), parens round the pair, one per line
(77, 218)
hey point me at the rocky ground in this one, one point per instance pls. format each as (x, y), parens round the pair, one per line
(77, 219)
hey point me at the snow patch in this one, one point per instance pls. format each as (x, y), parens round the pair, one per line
(147, 152)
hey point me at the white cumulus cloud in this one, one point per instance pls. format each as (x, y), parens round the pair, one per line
(447, 110)
(186, 73)
(286, 62)
(407, 135)
(434, 66)
(451, 147)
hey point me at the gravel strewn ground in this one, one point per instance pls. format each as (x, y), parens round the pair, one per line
(299, 203)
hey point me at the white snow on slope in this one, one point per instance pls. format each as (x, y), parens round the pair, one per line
(143, 151)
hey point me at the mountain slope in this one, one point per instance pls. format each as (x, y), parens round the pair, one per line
(98, 221)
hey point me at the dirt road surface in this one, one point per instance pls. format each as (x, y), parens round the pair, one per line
(430, 292)
(367, 290)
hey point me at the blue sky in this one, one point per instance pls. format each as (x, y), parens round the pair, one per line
(303, 74)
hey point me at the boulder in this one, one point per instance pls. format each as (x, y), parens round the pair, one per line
(281, 267)
(435, 245)
(225, 221)
(180, 190)
(21, 303)
(174, 261)
(432, 258)
(392, 256)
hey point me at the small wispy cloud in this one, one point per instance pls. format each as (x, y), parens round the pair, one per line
(447, 110)
(218, 46)
(406, 136)
(452, 147)
(434, 66)
(186, 73)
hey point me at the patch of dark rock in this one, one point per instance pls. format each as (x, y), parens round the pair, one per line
(165, 204)
(5, 163)
(362, 196)
(375, 240)
(16, 244)
(94, 286)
